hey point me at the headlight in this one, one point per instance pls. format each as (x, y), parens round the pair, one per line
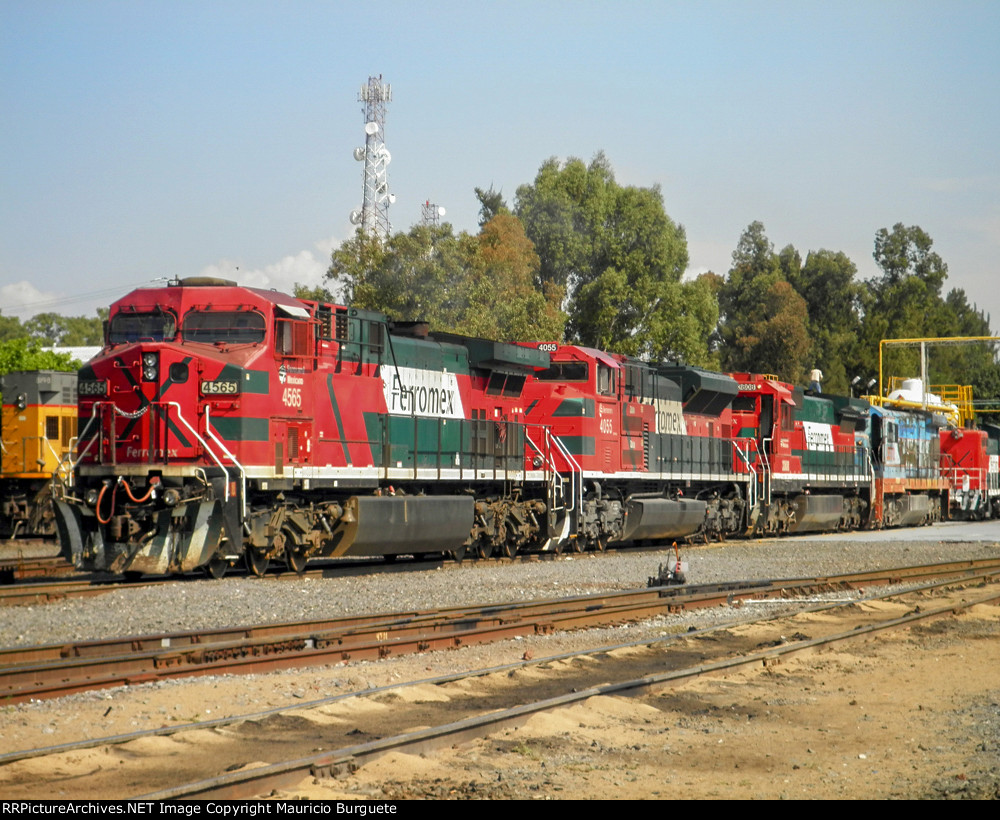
(150, 366)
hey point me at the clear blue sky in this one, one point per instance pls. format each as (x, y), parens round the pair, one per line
(157, 139)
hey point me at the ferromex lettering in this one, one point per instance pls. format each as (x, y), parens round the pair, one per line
(413, 392)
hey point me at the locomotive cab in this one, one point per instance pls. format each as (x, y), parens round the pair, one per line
(221, 422)
(165, 428)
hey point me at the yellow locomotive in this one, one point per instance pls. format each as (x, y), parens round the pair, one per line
(37, 429)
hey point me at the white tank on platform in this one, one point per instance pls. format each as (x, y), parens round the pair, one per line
(913, 390)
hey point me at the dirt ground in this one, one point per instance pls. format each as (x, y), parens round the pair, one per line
(911, 713)
(908, 714)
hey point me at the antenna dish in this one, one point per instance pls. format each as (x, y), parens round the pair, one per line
(371, 128)
(359, 153)
(441, 212)
(385, 155)
(355, 217)
(392, 198)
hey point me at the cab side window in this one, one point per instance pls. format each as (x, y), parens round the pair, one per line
(605, 380)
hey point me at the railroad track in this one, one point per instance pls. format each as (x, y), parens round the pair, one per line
(296, 748)
(59, 669)
(35, 588)
(18, 568)
(286, 774)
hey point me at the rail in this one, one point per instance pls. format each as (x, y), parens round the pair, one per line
(32, 672)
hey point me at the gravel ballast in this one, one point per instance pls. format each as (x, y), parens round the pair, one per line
(204, 603)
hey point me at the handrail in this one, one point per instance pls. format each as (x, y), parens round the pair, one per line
(197, 435)
(871, 472)
(766, 472)
(576, 471)
(957, 475)
(99, 407)
(80, 437)
(551, 469)
(229, 455)
(751, 470)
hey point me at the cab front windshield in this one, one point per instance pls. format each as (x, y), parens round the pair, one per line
(157, 326)
(223, 327)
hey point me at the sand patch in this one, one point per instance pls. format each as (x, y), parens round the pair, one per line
(426, 693)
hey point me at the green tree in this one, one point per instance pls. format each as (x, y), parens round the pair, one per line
(974, 363)
(618, 257)
(905, 253)
(905, 301)
(414, 275)
(505, 303)
(26, 354)
(482, 285)
(54, 329)
(314, 294)
(491, 204)
(10, 328)
(764, 322)
(834, 301)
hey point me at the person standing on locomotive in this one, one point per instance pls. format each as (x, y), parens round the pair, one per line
(815, 380)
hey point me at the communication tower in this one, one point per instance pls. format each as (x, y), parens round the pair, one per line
(430, 214)
(373, 217)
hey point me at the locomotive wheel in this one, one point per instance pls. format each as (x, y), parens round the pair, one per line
(295, 559)
(256, 562)
(217, 567)
(458, 555)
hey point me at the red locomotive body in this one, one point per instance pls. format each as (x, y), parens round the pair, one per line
(647, 447)
(970, 461)
(220, 420)
(810, 452)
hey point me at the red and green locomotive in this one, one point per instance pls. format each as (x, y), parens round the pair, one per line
(221, 423)
(646, 451)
